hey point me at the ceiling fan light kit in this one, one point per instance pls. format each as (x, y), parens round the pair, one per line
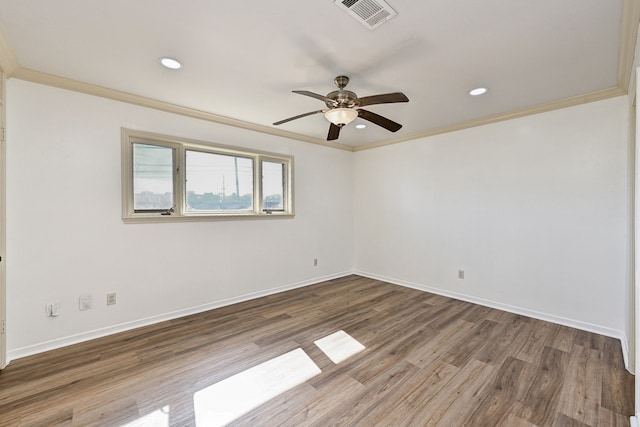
(341, 116)
(343, 108)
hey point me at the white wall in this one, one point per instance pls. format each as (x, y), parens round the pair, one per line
(535, 210)
(65, 235)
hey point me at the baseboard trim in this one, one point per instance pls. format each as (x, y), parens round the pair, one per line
(122, 327)
(634, 422)
(513, 309)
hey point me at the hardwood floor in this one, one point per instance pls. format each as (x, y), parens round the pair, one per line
(428, 361)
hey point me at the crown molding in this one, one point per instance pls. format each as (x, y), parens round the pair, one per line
(103, 92)
(628, 37)
(116, 95)
(528, 111)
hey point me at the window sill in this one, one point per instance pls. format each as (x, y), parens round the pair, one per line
(202, 218)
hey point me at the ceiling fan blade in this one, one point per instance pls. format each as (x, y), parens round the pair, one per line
(386, 98)
(316, 96)
(297, 117)
(334, 132)
(377, 119)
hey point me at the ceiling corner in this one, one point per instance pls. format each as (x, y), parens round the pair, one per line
(8, 60)
(628, 38)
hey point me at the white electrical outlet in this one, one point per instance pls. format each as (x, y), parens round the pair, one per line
(315, 262)
(460, 274)
(111, 299)
(52, 309)
(85, 302)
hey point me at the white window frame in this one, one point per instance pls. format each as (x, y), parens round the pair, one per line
(179, 212)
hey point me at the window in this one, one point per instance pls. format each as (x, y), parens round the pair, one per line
(152, 178)
(172, 179)
(273, 179)
(219, 182)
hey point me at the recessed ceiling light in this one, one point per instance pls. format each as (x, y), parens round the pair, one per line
(170, 63)
(361, 126)
(478, 91)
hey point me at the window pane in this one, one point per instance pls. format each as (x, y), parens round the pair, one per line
(152, 177)
(273, 186)
(218, 182)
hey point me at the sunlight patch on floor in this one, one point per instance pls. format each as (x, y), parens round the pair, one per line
(159, 418)
(223, 402)
(339, 346)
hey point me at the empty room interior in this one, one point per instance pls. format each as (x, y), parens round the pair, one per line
(326, 213)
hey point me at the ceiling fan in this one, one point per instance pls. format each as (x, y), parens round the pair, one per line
(343, 108)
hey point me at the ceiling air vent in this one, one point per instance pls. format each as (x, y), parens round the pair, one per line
(370, 13)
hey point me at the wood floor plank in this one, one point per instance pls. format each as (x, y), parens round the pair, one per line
(581, 392)
(609, 418)
(509, 387)
(514, 421)
(564, 339)
(541, 401)
(417, 392)
(428, 361)
(587, 339)
(392, 352)
(539, 333)
(509, 336)
(436, 348)
(617, 390)
(380, 396)
(464, 401)
(474, 341)
(471, 378)
(563, 420)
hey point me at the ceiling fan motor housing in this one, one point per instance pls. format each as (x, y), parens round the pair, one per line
(343, 98)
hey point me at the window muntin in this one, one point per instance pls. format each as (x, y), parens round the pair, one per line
(153, 173)
(167, 179)
(218, 182)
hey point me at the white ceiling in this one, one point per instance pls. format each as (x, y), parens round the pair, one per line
(241, 59)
